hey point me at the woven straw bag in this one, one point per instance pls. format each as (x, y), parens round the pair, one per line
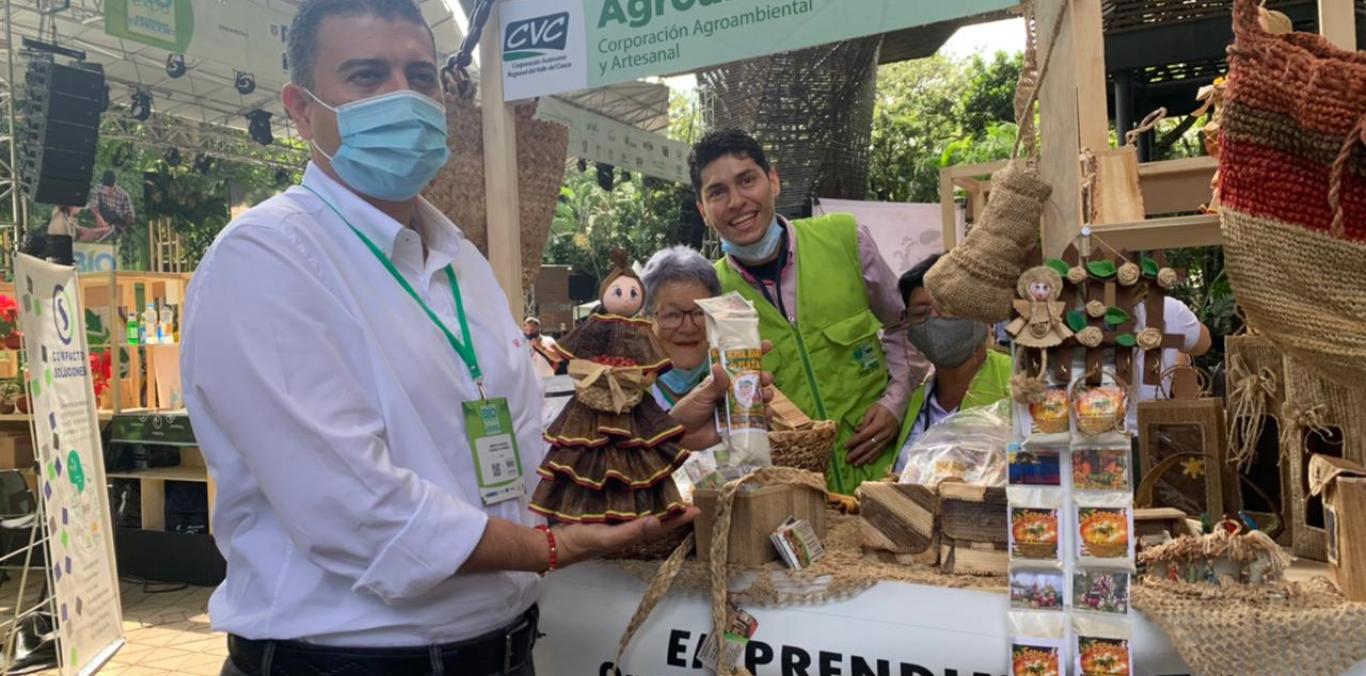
(1293, 191)
(976, 280)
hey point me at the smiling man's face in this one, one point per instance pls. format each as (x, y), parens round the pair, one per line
(737, 198)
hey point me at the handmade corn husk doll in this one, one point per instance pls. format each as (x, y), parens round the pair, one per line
(613, 449)
(1040, 324)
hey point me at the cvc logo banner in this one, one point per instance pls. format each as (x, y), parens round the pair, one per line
(535, 37)
(541, 51)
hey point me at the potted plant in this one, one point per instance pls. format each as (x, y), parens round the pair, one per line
(10, 391)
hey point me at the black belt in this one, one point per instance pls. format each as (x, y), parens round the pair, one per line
(497, 652)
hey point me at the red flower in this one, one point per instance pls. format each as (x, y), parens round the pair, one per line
(101, 371)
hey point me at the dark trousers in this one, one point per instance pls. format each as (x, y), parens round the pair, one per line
(528, 669)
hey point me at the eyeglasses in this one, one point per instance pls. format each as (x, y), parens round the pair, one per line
(673, 319)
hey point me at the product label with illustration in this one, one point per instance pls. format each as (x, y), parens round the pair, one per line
(745, 402)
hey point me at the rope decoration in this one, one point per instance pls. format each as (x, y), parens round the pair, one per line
(1249, 399)
(1295, 423)
(720, 552)
(1148, 124)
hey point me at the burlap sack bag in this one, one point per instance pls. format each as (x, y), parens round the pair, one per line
(1293, 191)
(976, 280)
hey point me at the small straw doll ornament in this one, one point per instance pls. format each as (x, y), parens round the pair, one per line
(613, 449)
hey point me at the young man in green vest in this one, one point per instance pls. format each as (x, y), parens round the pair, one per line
(966, 373)
(823, 293)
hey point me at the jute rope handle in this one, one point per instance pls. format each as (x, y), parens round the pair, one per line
(1358, 134)
(1118, 382)
(720, 551)
(1202, 377)
(1148, 124)
(1248, 398)
(1024, 112)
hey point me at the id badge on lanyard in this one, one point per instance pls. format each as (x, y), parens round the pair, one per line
(488, 422)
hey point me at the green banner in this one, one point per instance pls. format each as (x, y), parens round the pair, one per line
(168, 24)
(567, 45)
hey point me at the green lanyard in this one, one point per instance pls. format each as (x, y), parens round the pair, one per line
(465, 350)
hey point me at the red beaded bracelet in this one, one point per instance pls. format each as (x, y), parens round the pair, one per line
(554, 550)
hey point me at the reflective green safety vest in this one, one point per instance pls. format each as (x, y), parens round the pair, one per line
(830, 361)
(990, 385)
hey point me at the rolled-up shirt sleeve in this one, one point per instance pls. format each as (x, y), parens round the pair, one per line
(906, 367)
(277, 377)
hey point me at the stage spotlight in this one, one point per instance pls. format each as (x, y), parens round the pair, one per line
(606, 176)
(245, 83)
(203, 164)
(258, 125)
(172, 158)
(141, 106)
(175, 65)
(583, 165)
(282, 177)
(625, 175)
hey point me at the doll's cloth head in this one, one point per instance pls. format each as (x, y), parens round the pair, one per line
(622, 293)
(1040, 283)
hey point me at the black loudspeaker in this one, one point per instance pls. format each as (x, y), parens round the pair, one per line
(62, 128)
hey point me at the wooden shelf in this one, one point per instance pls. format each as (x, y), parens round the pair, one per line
(177, 473)
(104, 416)
(1162, 233)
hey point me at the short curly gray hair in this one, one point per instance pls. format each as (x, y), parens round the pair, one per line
(677, 264)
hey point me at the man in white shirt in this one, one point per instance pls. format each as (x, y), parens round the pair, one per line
(1177, 320)
(543, 355)
(348, 363)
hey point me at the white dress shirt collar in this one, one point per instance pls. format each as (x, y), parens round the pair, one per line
(438, 232)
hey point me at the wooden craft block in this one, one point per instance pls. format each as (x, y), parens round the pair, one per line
(1117, 197)
(16, 451)
(1339, 410)
(976, 514)
(1342, 486)
(754, 516)
(1195, 485)
(963, 557)
(898, 518)
(1258, 355)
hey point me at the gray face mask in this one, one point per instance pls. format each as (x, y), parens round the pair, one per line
(948, 343)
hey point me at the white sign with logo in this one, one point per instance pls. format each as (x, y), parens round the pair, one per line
(554, 46)
(71, 479)
(893, 629)
(596, 137)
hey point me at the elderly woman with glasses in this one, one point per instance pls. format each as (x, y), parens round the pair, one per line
(675, 279)
(966, 374)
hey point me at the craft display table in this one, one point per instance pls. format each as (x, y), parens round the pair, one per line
(893, 629)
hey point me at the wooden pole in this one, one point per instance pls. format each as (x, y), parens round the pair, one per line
(950, 210)
(1059, 126)
(1338, 23)
(500, 169)
(1089, 47)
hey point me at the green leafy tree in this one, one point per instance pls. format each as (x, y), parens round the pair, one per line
(937, 111)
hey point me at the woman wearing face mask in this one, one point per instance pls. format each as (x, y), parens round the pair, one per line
(675, 279)
(966, 373)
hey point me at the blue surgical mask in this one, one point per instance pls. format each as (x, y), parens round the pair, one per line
(761, 251)
(681, 381)
(392, 145)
